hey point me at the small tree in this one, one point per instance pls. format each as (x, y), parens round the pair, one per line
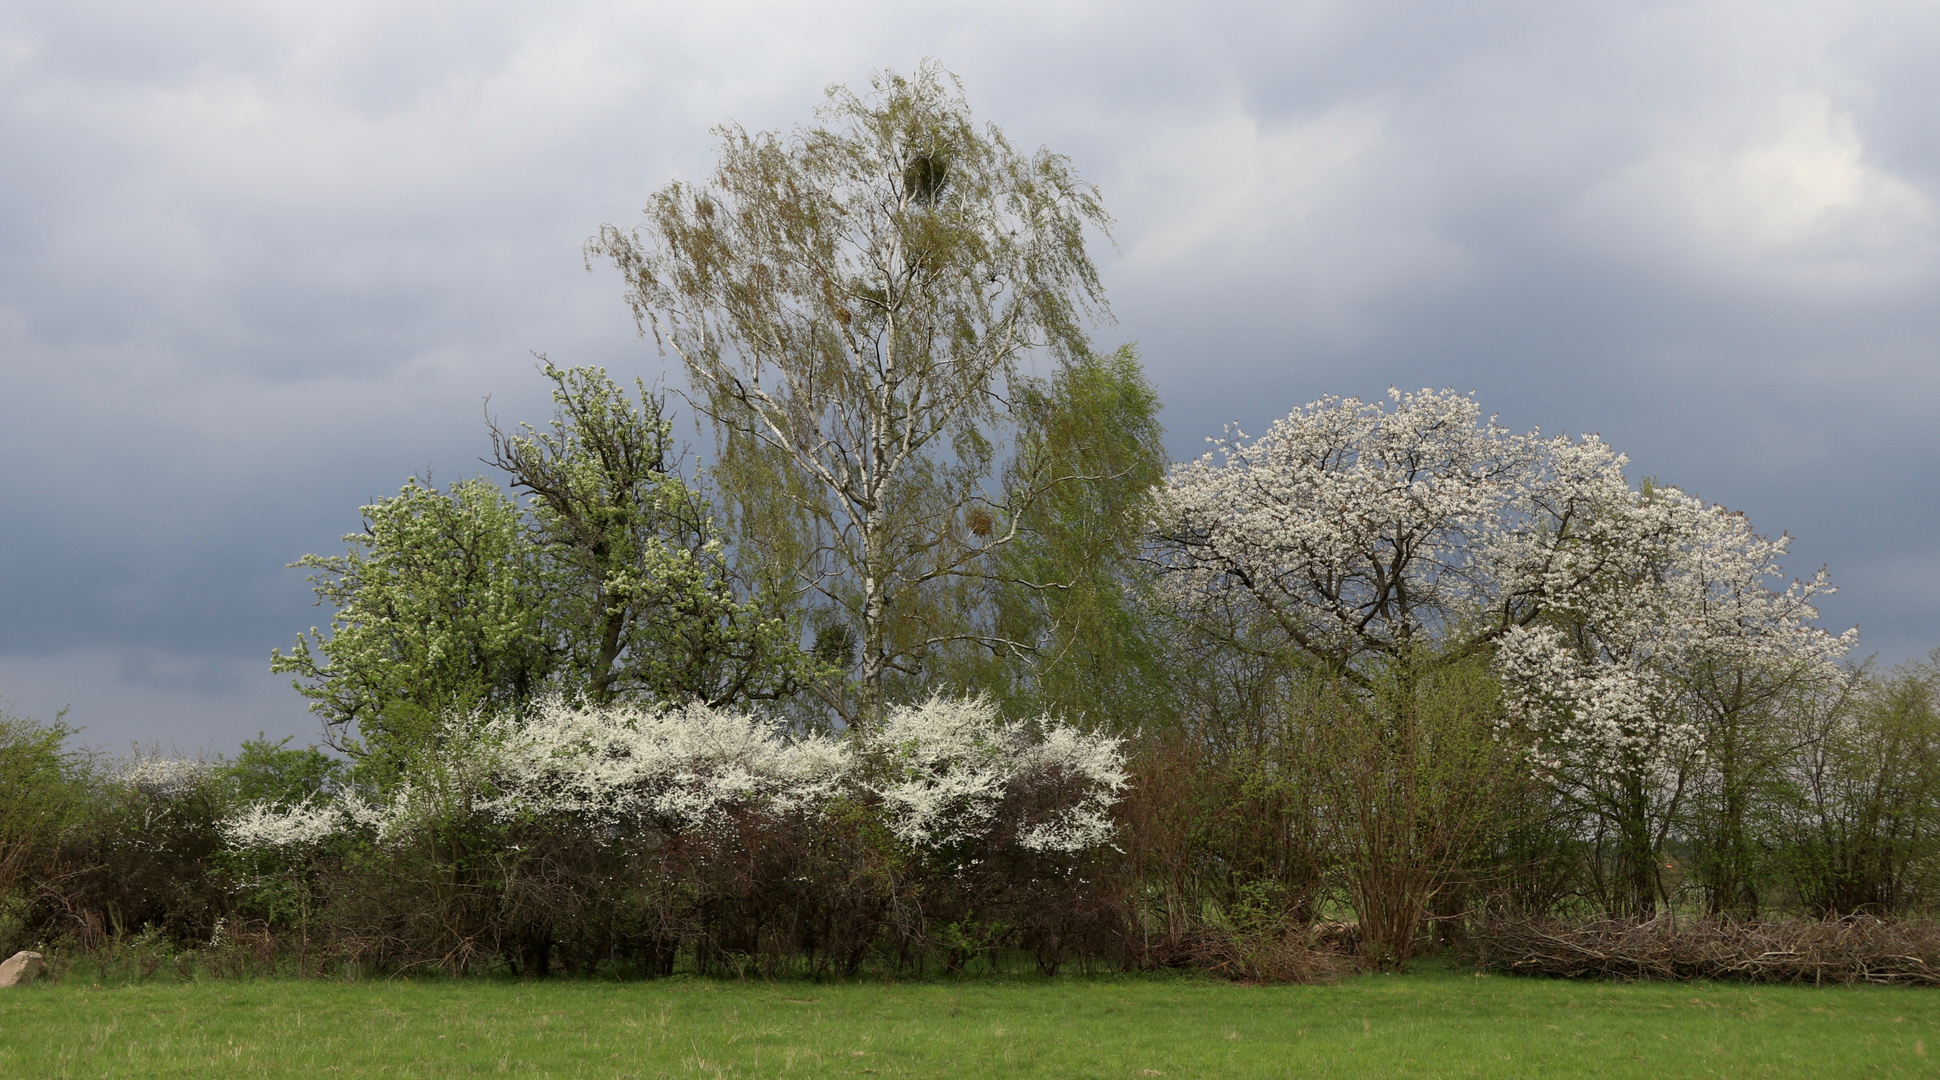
(610, 584)
(850, 304)
(1411, 791)
(646, 605)
(440, 609)
(1861, 832)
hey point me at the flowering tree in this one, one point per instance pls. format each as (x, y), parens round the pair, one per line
(1381, 541)
(1363, 533)
(440, 607)
(1374, 546)
(1653, 674)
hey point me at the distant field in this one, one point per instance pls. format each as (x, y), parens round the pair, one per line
(1439, 1024)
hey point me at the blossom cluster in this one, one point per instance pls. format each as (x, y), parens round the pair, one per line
(1363, 528)
(266, 826)
(679, 768)
(1678, 589)
(952, 767)
(938, 774)
(166, 778)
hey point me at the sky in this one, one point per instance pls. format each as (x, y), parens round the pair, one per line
(260, 262)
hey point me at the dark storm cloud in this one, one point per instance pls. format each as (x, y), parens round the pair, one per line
(259, 263)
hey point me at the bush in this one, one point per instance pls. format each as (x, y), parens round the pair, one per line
(42, 793)
(572, 837)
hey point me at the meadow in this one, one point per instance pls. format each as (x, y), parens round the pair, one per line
(1433, 1023)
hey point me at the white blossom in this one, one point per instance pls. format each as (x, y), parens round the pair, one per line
(166, 778)
(261, 826)
(1362, 528)
(938, 773)
(1359, 527)
(1366, 529)
(952, 765)
(1097, 765)
(681, 767)
(1687, 589)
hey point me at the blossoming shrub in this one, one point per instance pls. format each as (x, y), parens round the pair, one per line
(575, 836)
(996, 828)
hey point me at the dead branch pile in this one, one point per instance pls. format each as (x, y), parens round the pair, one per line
(1854, 949)
(1278, 954)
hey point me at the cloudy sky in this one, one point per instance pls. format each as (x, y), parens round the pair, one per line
(261, 261)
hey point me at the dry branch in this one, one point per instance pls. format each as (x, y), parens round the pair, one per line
(1858, 948)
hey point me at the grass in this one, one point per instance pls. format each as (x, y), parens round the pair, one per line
(1432, 1024)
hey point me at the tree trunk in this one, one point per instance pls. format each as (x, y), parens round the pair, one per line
(1637, 857)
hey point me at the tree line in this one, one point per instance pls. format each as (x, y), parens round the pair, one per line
(940, 660)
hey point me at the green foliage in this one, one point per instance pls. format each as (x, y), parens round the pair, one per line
(150, 853)
(1861, 830)
(1068, 586)
(271, 772)
(647, 606)
(1416, 779)
(610, 583)
(43, 790)
(440, 607)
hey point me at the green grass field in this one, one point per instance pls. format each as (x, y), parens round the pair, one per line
(1437, 1023)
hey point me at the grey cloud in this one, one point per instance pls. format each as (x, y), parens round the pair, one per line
(259, 263)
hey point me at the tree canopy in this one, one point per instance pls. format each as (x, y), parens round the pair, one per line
(850, 303)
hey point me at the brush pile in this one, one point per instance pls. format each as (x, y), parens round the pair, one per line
(1853, 949)
(1265, 953)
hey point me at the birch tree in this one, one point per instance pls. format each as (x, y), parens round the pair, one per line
(850, 302)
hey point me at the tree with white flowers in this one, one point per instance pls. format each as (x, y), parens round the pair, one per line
(1656, 674)
(1384, 542)
(1364, 533)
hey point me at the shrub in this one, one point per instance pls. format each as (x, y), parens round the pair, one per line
(576, 836)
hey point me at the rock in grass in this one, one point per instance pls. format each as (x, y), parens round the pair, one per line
(21, 968)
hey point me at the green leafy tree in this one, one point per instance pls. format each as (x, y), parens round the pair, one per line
(851, 303)
(43, 788)
(1070, 588)
(273, 773)
(1861, 832)
(647, 606)
(610, 583)
(441, 607)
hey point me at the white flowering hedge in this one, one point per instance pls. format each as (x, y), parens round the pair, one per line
(935, 775)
